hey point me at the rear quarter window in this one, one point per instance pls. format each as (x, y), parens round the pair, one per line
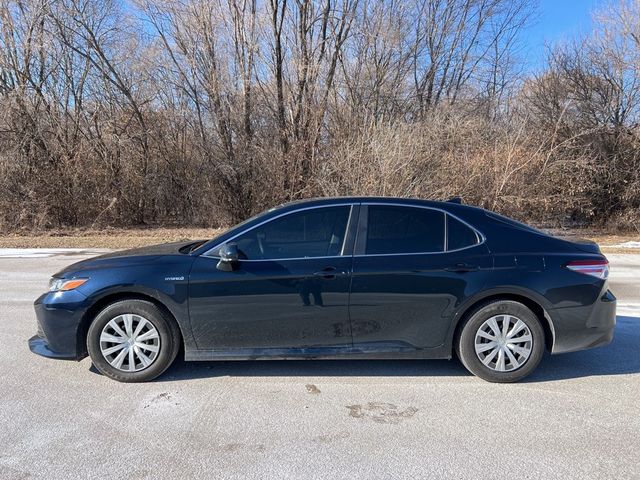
(460, 235)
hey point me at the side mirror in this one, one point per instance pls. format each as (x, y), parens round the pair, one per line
(229, 257)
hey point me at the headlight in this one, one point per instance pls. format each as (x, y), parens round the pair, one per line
(63, 284)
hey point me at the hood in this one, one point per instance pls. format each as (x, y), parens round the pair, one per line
(134, 256)
(159, 249)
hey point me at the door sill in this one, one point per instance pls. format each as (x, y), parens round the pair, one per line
(363, 350)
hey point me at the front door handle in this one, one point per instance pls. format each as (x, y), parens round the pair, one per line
(328, 272)
(462, 268)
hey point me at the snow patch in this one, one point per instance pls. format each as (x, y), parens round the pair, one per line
(628, 309)
(626, 245)
(47, 252)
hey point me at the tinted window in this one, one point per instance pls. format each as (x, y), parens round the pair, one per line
(459, 235)
(317, 232)
(394, 229)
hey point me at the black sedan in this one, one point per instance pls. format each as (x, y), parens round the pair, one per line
(336, 278)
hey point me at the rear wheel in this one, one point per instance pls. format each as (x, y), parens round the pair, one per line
(501, 341)
(133, 341)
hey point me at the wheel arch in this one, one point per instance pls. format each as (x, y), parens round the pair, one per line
(521, 297)
(103, 302)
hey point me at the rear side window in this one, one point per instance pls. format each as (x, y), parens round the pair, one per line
(459, 235)
(396, 229)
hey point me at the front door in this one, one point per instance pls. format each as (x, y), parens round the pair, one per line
(290, 290)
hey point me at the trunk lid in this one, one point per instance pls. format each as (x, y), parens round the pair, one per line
(587, 246)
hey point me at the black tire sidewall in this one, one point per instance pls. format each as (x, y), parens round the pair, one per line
(169, 339)
(466, 342)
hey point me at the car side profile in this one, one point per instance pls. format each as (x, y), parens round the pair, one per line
(336, 278)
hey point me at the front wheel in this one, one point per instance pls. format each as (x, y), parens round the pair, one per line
(501, 341)
(133, 341)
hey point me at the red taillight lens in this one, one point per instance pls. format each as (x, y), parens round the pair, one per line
(595, 268)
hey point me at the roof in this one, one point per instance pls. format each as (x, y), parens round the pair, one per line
(375, 199)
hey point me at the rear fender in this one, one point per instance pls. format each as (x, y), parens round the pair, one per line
(528, 297)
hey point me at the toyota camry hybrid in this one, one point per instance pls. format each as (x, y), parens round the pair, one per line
(336, 278)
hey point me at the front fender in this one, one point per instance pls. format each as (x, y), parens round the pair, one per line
(165, 281)
(172, 295)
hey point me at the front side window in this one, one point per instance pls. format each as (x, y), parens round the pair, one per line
(397, 229)
(317, 232)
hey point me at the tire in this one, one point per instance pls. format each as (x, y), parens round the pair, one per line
(474, 345)
(153, 348)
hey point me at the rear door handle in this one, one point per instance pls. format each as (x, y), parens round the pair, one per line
(462, 268)
(328, 272)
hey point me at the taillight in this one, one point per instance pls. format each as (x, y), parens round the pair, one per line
(595, 268)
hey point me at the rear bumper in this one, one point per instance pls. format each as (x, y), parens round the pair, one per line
(580, 328)
(59, 315)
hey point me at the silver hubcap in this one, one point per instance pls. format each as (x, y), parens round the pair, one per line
(503, 343)
(129, 342)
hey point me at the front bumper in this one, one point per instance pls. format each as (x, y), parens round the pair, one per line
(59, 316)
(581, 328)
(39, 346)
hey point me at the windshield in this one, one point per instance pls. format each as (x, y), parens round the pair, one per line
(203, 247)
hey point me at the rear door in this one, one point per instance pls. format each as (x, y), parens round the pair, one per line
(409, 276)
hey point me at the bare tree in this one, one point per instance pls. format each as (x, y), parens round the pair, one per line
(201, 112)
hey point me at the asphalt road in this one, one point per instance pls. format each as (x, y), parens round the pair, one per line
(578, 416)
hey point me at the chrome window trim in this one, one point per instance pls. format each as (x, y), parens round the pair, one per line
(414, 253)
(481, 238)
(292, 259)
(349, 204)
(479, 235)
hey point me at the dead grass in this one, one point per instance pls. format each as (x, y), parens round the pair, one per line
(115, 238)
(121, 238)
